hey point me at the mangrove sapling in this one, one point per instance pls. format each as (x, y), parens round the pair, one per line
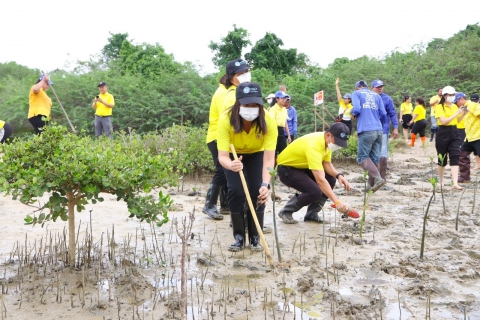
(458, 207)
(434, 182)
(442, 157)
(366, 195)
(273, 174)
(71, 169)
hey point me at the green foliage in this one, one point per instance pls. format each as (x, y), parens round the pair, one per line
(75, 169)
(350, 152)
(230, 47)
(112, 49)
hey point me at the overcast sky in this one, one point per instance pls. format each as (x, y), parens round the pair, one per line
(49, 34)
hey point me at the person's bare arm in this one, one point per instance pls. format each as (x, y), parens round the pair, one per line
(39, 85)
(339, 94)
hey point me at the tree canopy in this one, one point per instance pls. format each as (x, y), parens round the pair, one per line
(230, 47)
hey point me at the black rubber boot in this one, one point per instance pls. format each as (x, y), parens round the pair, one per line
(253, 236)
(373, 174)
(210, 208)
(224, 201)
(238, 225)
(313, 209)
(286, 213)
(383, 168)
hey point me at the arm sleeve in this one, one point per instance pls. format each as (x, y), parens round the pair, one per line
(392, 114)
(270, 142)
(381, 110)
(223, 133)
(357, 108)
(295, 121)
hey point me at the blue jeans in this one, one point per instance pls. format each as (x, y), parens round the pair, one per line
(369, 146)
(384, 149)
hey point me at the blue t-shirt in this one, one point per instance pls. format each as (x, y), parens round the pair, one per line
(291, 121)
(391, 113)
(369, 110)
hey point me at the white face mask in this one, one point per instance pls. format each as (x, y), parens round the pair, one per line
(269, 100)
(333, 147)
(450, 99)
(246, 77)
(249, 114)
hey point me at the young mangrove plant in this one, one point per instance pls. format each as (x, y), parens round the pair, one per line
(273, 174)
(366, 195)
(433, 181)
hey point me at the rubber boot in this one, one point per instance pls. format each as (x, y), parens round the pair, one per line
(253, 236)
(238, 226)
(424, 140)
(224, 201)
(369, 166)
(286, 213)
(412, 137)
(313, 209)
(383, 168)
(464, 164)
(432, 133)
(210, 208)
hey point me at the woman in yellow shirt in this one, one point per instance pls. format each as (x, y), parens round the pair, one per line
(280, 114)
(40, 104)
(406, 115)
(253, 133)
(448, 140)
(345, 106)
(5, 131)
(418, 121)
(237, 71)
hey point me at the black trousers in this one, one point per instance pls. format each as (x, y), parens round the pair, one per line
(419, 127)
(348, 123)
(8, 132)
(219, 176)
(37, 123)
(447, 143)
(281, 141)
(303, 180)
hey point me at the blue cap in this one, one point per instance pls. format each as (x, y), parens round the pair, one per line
(347, 96)
(41, 78)
(280, 94)
(361, 83)
(377, 83)
(458, 96)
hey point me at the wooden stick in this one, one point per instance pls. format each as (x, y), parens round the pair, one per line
(252, 210)
(58, 100)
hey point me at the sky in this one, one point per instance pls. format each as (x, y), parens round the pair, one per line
(53, 34)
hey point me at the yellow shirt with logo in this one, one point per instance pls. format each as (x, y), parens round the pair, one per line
(246, 143)
(2, 123)
(216, 109)
(406, 108)
(472, 121)
(230, 98)
(346, 110)
(306, 152)
(39, 103)
(103, 110)
(280, 114)
(443, 110)
(434, 99)
(421, 113)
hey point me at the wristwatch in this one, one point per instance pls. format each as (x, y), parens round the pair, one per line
(264, 184)
(338, 174)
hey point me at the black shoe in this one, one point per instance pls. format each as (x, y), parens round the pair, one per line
(255, 244)
(210, 208)
(238, 245)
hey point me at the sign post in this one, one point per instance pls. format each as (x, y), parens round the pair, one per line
(318, 99)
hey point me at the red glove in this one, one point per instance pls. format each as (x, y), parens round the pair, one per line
(352, 213)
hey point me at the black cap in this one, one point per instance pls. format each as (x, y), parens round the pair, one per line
(249, 92)
(474, 97)
(236, 66)
(101, 84)
(341, 133)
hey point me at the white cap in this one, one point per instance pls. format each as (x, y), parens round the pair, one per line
(448, 90)
(270, 96)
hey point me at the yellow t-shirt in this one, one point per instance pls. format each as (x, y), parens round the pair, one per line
(406, 108)
(461, 124)
(434, 99)
(421, 112)
(215, 111)
(230, 98)
(306, 152)
(103, 110)
(472, 121)
(346, 110)
(280, 114)
(443, 110)
(245, 143)
(2, 123)
(39, 103)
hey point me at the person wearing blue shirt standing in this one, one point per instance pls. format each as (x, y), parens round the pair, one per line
(291, 119)
(370, 113)
(377, 87)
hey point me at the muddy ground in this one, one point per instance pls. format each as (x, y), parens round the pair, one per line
(130, 271)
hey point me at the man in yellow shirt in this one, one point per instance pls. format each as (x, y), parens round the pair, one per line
(433, 103)
(472, 131)
(306, 166)
(40, 104)
(103, 104)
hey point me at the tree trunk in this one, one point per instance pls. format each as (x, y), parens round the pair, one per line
(71, 229)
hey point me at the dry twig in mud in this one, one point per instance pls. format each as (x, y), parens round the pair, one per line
(184, 235)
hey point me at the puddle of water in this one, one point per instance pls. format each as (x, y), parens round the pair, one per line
(345, 292)
(372, 281)
(394, 313)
